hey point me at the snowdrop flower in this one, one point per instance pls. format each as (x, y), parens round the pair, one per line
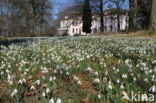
(106, 73)
(54, 78)
(105, 79)
(51, 101)
(50, 79)
(38, 82)
(32, 88)
(58, 100)
(43, 77)
(44, 70)
(14, 92)
(99, 96)
(47, 90)
(55, 71)
(153, 89)
(122, 87)
(79, 82)
(96, 73)
(10, 82)
(2, 73)
(118, 81)
(110, 86)
(43, 94)
(24, 80)
(89, 69)
(20, 82)
(67, 73)
(97, 80)
(134, 79)
(146, 80)
(76, 78)
(114, 68)
(124, 76)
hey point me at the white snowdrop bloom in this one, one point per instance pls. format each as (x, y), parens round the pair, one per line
(9, 77)
(50, 79)
(87, 56)
(58, 101)
(119, 61)
(124, 76)
(67, 73)
(14, 92)
(54, 78)
(125, 96)
(43, 77)
(47, 90)
(105, 65)
(44, 70)
(25, 73)
(43, 94)
(122, 87)
(10, 82)
(20, 82)
(97, 80)
(99, 96)
(153, 89)
(118, 81)
(32, 87)
(96, 73)
(104, 79)
(134, 79)
(55, 71)
(38, 82)
(110, 86)
(150, 71)
(2, 72)
(89, 69)
(79, 82)
(114, 68)
(51, 101)
(24, 80)
(146, 79)
(7, 71)
(117, 70)
(76, 78)
(61, 72)
(106, 73)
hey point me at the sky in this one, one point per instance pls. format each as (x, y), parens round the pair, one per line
(61, 4)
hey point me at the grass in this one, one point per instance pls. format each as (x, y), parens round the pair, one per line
(78, 70)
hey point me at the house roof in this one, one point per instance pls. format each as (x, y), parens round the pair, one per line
(108, 12)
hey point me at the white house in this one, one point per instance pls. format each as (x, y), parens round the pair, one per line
(73, 26)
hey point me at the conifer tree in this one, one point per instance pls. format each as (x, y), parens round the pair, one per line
(87, 17)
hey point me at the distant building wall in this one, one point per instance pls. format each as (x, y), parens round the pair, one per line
(74, 26)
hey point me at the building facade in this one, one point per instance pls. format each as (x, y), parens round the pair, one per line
(73, 26)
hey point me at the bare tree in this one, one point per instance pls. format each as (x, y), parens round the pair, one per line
(153, 17)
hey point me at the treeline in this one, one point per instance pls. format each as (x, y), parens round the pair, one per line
(25, 18)
(142, 13)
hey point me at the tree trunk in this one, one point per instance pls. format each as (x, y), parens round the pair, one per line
(101, 16)
(132, 15)
(118, 14)
(153, 17)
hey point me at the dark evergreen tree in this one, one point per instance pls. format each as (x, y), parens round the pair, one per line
(87, 17)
